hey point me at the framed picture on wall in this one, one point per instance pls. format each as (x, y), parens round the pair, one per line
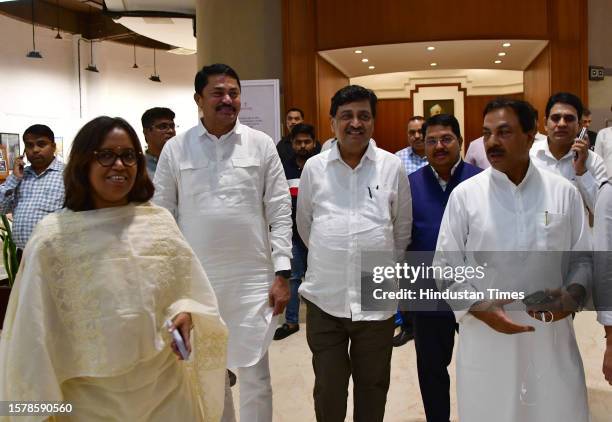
(10, 141)
(433, 107)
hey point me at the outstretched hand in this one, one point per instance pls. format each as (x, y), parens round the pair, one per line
(492, 313)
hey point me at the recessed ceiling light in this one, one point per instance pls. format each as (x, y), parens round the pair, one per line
(365, 60)
(506, 44)
(431, 48)
(371, 67)
(501, 54)
(433, 64)
(358, 51)
(497, 61)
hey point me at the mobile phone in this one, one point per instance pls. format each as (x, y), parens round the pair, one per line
(180, 343)
(579, 138)
(538, 298)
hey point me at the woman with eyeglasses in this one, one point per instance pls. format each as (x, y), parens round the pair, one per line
(85, 324)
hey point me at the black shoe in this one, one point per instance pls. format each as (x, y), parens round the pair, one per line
(232, 378)
(402, 338)
(285, 331)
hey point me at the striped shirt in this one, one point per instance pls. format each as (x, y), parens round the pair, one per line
(31, 198)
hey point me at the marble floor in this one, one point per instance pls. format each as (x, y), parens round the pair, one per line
(292, 378)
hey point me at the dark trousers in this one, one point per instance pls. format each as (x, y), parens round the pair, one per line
(434, 339)
(341, 348)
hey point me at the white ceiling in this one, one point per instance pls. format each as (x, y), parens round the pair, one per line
(173, 31)
(471, 54)
(178, 6)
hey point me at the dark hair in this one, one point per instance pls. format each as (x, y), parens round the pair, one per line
(415, 118)
(522, 109)
(201, 78)
(446, 120)
(565, 98)
(586, 112)
(304, 128)
(40, 130)
(151, 115)
(295, 109)
(350, 94)
(76, 172)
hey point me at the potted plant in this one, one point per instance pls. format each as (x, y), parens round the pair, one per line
(11, 264)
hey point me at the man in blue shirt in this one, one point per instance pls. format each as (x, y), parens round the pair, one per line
(434, 327)
(33, 191)
(158, 127)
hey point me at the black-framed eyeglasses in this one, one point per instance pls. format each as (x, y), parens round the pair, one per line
(165, 126)
(108, 157)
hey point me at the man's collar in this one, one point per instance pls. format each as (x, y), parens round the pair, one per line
(543, 148)
(202, 131)
(504, 179)
(334, 152)
(150, 156)
(411, 152)
(451, 172)
(55, 165)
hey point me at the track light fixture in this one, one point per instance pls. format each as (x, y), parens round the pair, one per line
(91, 67)
(58, 36)
(135, 64)
(33, 54)
(155, 76)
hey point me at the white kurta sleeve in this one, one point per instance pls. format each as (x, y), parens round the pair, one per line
(402, 212)
(588, 184)
(602, 242)
(166, 182)
(303, 216)
(581, 259)
(277, 208)
(451, 251)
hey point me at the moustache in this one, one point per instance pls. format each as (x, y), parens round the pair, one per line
(222, 106)
(495, 150)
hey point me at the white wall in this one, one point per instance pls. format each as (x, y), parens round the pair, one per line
(47, 90)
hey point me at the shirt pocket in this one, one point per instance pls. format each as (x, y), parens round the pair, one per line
(52, 200)
(196, 177)
(553, 230)
(242, 179)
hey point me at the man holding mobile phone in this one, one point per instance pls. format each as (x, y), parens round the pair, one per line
(33, 191)
(564, 153)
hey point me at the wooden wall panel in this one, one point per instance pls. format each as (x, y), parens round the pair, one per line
(349, 23)
(391, 121)
(329, 80)
(474, 106)
(299, 55)
(536, 84)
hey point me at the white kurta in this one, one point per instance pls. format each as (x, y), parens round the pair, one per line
(602, 244)
(231, 200)
(529, 377)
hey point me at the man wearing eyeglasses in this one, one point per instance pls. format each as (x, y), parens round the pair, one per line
(566, 155)
(158, 127)
(434, 322)
(33, 191)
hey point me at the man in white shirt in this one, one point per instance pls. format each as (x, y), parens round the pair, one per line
(603, 147)
(566, 155)
(521, 213)
(353, 198)
(602, 289)
(225, 185)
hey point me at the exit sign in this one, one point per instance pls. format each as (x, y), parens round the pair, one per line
(596, 73)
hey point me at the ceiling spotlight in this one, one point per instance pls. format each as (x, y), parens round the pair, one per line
(365, 60)
(501, 54)
(371, 67)
(497, 61)
(506, 44)
(433, 64)
(431, 48)
(358, 51)
(33, 54)
(155, 76)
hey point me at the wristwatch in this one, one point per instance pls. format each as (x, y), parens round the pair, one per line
(284, 273)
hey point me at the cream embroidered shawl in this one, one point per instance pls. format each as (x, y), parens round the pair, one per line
(90, 300)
